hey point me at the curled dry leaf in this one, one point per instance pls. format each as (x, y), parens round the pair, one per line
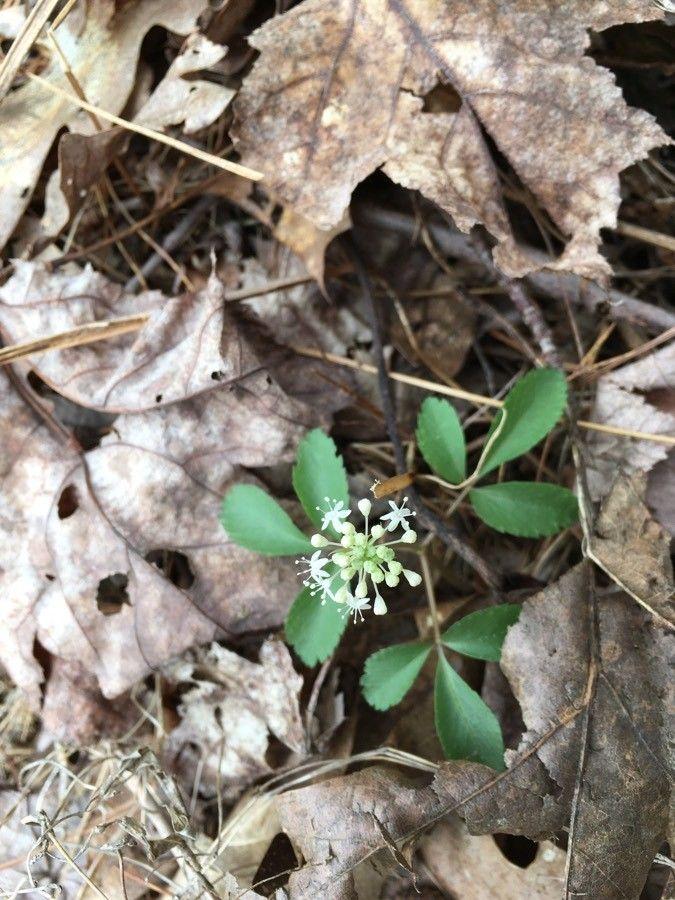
(108, 40)
(619, 811)
(308, 242)
(191, 344)
(474, 868)
(194, 102)
(630, 398)
(227, 717)
(78, 532)
(83, 158)
(634, 548)
(350, 98)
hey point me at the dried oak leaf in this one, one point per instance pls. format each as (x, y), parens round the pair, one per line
(619, 812)
(227, 716)
(631, 397)
(108, 40)
(73, 525)
(194, 102)
(307, 241)
(83, 158)
(349, 98)
(633, 547)
(191, 344)
(474, 868)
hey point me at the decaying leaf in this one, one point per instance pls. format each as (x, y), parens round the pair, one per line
(194, 102)
(108, 40)
(474, 868)
(619, 810)
(633, 547)
(83, 537)
(629, 398)
(83, 158)
(191, 344)
(308, 242)
(227, 716)
(349, 99)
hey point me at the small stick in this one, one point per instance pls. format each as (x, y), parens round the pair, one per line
(149, 133)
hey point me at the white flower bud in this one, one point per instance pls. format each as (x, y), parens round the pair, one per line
(364, 506)
(409, 537)
(347, 528)
(340, 559)
(379, 607)
(361, 590)
(318, 540)
(341, 594)
(413, 578)
(391, 580)
(376, 532)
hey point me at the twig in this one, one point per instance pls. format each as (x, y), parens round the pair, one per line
(173, 239)
(149, 133)
(425, 516)
(37, 19)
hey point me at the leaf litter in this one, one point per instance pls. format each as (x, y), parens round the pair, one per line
(157, 736)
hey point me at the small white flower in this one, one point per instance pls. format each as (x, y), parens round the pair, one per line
(316, 566)
(334, 515)
(398, 516)
(356, 606)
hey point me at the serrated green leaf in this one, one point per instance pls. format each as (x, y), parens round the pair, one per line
(525, 508)
(533, 405)
(466, 727)
(319, 473)
(389, 674)
(441, 439)
(254, 520)
(481, 633)
(313, 630)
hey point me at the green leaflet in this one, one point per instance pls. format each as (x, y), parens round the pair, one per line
(467, 728)
(319, 473)
(254, 520)
(441, 439)
(524, 508)
(313, 630)
(389, 674)
(481, 634)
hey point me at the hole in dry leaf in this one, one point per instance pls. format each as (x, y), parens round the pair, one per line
(158, 398)
(217, 376)
(175, 565)
(442, 98)
(519, 850)
(112, 594)
(67, 502)
(49, 576)
(273, 871)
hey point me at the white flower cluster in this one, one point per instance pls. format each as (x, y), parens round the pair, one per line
(360, 556)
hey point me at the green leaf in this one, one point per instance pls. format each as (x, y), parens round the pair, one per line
(533, 407)
(319, 473)
(389, 674)
(525, 508)
(466, 727)
(313, 630)
(481, 634)
(441, 439)
(254, 520)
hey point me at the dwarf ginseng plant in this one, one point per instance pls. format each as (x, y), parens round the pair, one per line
(343, 565)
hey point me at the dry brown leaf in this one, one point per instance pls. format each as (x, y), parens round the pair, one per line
(194, 102)
(308, 242)
(633, 547)
(474, 868)
(83, 159)
(227, 716)
(629, 398)
(191, 344)
(347, 100)
(108, 40)
(75, 526)
(621, 811)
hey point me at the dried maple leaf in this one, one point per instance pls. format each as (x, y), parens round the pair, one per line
(605, 776)
(349, 99)
(107, 41)
(75, 526)
(629, 398)
(227, 716)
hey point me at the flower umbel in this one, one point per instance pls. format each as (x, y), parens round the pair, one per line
(360, 556)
